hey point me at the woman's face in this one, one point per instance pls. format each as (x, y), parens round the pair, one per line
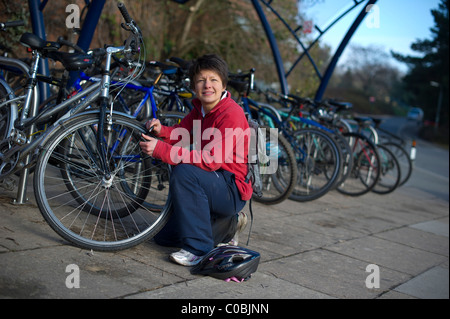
(208, 87)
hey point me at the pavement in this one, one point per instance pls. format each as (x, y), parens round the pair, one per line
(393, 246)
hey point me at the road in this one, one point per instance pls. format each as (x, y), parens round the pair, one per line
(431, 166)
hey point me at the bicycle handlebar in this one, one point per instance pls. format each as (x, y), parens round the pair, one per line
(63, 41)
(11, 24)
(124, 12)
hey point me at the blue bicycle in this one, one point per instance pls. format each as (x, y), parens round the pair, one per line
(317, 156)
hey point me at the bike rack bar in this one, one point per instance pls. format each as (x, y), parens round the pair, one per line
(87, 32)
(273, 45)
(321, 33)
(276, 54)
(294, 34)
(337, 55)
(36, 7)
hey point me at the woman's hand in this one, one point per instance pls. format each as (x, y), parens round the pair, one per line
(148, 146)
(154, 125)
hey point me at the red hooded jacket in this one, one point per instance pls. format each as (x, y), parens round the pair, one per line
(217, 141)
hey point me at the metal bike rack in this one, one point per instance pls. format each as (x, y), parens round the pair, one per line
(37, 7)
(324, 79)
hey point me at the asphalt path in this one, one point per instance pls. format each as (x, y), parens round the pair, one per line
(431, 165)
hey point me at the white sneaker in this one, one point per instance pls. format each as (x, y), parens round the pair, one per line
(185, 258)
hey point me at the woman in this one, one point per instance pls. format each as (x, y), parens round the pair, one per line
(207, 184)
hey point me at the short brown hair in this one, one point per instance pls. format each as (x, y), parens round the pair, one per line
(211, 62)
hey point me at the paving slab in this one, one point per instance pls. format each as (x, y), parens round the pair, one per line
(44, 273)
(392, 255)
(424, 240)
(432, 284)
(260, 286)
(433, 226)
(332, 274)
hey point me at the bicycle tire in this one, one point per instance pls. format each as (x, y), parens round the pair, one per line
(159, 170)
(404, 160)
(366, 166)
(347, 159)
(278, 185)
(319, 161)
(6, 118)
(390, 174)
(103, 228)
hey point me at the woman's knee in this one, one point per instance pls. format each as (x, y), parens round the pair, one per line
(183, 172)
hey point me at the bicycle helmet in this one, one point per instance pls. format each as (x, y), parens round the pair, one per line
(228, 262)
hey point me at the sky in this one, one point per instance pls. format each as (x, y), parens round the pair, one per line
(392, 25)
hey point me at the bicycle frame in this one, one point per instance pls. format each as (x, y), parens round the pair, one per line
(278, 122)
(27, 120)
(149, 95)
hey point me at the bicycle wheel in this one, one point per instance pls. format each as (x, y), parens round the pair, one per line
(366, 166)
(160, 171)
(96, 210)
(390, 172)
(347, 159)
(319, 163)
(7, 166)
(404, 160)
(4, 111)
(279, 173)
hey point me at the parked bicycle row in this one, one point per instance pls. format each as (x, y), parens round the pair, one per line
(332, 152)
(92, 182)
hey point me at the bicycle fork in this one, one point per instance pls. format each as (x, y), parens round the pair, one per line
(104, 95)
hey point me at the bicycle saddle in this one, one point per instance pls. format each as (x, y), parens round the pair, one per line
(184, 64)
(377, 121)
(36, 43)
(72, 61)
(363, 120)
(165, 68)
(240, 86)
(341, 105)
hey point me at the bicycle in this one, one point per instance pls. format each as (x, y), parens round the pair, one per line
(396, 145)
(300, 113)
(96, 156)
(277, 182)
(367, 165)
(318, 159)
(390, 143)
(390, 171)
